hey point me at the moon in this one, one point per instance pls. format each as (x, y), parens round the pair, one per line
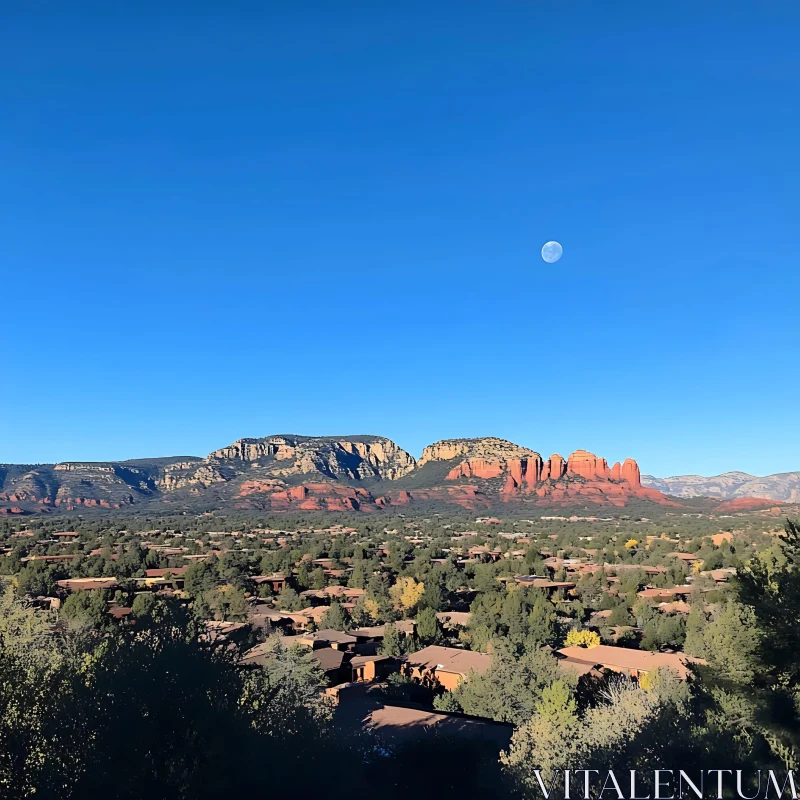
(551, 252)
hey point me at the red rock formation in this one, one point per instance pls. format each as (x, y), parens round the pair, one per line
(486, 469)
(630, 472)
(587, 465)
(462, 470)
(616, 472)
(554, 468)
(515, 469)
(528, 470)
(509, 487)
(533, 470)
(747, 504)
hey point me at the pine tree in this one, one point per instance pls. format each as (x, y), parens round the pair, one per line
(336, 619)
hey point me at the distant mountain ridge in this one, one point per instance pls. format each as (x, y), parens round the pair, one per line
(356, 473)
(783, 486)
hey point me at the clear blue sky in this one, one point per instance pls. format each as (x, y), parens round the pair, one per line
(238, 219)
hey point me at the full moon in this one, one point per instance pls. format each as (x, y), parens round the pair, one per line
(551, 252)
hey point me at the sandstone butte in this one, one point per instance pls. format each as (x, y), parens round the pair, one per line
(516, 473)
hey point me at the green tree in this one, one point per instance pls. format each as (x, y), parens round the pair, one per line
(336, 618)
(143, 605)
(38, 578)
(202, 576)
(510, 689)
(446, 702)
(427, 628)
(289, 600)
(87, 608)
(228, 603)
(392, 643)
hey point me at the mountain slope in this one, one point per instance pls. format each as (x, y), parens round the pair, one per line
(784, 486)
(357, 473)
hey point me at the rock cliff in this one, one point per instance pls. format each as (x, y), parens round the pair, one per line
(352, 458)
(355, 473)
(582, 477)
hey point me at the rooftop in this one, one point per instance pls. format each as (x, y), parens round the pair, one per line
(449, 659)
(623, 658)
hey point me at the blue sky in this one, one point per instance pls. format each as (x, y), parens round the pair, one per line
(236, 219)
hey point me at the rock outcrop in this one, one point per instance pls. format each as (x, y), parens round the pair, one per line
(487, 448)
(350, 473)
(352, 458)
(523, 475)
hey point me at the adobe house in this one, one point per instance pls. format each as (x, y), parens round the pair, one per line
(168, 575)
(368, 640)
(277, 581)
(50, 559)
(365, 669)
(444, 666)
(634, 663)
(82, 584)
(261, 615)
(331, 661)
(336, 640)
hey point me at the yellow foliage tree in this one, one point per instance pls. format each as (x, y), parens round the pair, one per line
(647, 680)
(631, 543)
(406, 593)
(371, 608)
(586, 639)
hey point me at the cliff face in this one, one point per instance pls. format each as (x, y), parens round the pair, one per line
(356, 473)
(355, 458)
(70, 485)
(487, 448)
(523, 475)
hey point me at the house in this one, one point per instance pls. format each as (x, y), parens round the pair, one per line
(82, 584)
(619, 568)
(675, 591)
(331, 662)
(277, 581)
(261, 615)
(720, 575)
(166, 571)
(399, 724)
(628, 662)
(221, 631)
(49, 559)
(372, 668)
(337, 640)
(453, 618)
(687, 558)
(315, 613)
(445, 666)
(543, 583)
(375, 633)
(338, 592)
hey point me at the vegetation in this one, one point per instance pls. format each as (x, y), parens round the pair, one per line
(140, 687)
